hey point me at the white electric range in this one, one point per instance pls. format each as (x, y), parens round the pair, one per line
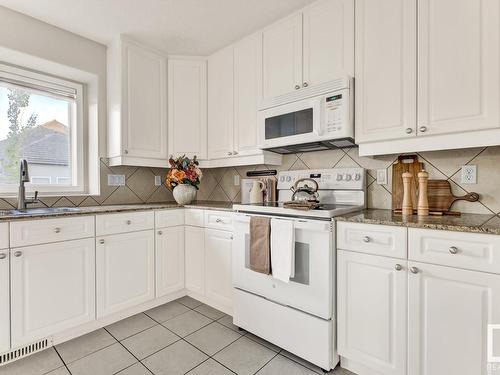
(298, 315)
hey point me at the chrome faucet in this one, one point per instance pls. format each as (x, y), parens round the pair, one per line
(24, 176)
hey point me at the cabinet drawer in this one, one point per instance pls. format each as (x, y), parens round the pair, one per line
(124, 222)
(382, 240)
(479, 252)
(4, 235)
(219, 220)
(195, 217)
(169, 218)
(32, 232)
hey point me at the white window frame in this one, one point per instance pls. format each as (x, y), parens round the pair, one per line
(79, 148)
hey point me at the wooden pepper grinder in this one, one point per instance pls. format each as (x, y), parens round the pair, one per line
(423, 201)
(407, 207)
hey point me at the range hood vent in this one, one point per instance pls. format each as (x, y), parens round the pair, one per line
(314, 146)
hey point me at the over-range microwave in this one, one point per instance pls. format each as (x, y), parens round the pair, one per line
(313, 119)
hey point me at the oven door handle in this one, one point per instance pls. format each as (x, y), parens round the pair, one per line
(310, 225)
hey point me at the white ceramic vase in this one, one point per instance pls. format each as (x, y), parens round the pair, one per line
(184, 194)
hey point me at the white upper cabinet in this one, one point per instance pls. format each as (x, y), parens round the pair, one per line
(187, 107)
(247, 92)
(4, 301)
(449, 313)
(328, 41)
(458, 65)
(282, 57)
(220, 104)
(137, 101)
(385, 69)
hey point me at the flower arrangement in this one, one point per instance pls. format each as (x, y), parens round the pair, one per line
(183, 171)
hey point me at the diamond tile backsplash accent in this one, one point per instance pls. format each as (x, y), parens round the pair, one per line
(139, 188)
(218, 184)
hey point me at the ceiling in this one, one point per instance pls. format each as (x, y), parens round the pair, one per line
(191, 27)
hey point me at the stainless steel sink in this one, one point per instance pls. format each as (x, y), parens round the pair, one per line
(39, 211)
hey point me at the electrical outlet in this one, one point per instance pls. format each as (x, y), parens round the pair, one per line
(469, 174)
(116, 180)
(157, 180)
(237, 180)
(382, 176)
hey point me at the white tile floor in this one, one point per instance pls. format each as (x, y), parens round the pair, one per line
(180, 337)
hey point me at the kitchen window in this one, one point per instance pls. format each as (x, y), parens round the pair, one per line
(41, 120)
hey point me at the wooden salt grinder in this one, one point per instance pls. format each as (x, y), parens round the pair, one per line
(407, 207)
(423, 201)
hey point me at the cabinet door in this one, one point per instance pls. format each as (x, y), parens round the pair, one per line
(218, 280)
(195, 259)
(247, 92)
(52, 289)
(4, 302)
(328, 41)
(169, 260)
(372, 300)
(449, 313)
(125, 271)
(458, 60)
(282, 57)
(145, 103)
(187, 108)
(220, 104)
(385, 69)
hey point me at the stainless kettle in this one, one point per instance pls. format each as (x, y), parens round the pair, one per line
(303, 192)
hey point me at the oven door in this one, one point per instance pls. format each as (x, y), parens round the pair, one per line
(312, 288)
(290, 124)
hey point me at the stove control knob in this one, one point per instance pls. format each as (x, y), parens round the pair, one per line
(348, 177)
(288, 178)
(339, 177)
(282, 179)
(357, 176)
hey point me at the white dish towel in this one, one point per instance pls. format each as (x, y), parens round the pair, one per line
(282, 249)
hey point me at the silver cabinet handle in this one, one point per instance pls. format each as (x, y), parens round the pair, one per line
(218, 220)
(3, 255)
(423, 129)
(409, 130)
(160, 232)
(297, 87)
(414, 270)
(57, 230)
(453, 250)
(305, 84)
(398, 267)
(17, 254)
(366, 239)
(129, 222)
(101, 242)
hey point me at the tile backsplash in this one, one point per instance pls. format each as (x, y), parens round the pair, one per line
(218, 184)
(139, 188)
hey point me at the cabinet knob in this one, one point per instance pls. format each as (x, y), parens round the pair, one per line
(3, 255)
(297, 87)
(57, 230)
(409, 130)
(423, 129)
(366, 239)
(414, 270)
(218, 220)
(17, 254)
(231, 237)
(235, 152)
(229, 153)
(305, 84)
(125, 151)
(101, 242)
(129, 222)
(160, 233)
(453, 250)
(398, 267)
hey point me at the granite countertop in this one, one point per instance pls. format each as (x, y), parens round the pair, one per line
(96, 210)
(473, 223)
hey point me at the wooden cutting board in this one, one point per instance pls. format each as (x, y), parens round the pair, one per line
(441, 198)
(405, 163)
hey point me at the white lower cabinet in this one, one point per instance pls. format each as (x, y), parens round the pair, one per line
(125, 271)
(195, 259)
(371, 300)
(4, 301)
(169, 260)
(52, 289)
(449, 313)
(218, 280)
